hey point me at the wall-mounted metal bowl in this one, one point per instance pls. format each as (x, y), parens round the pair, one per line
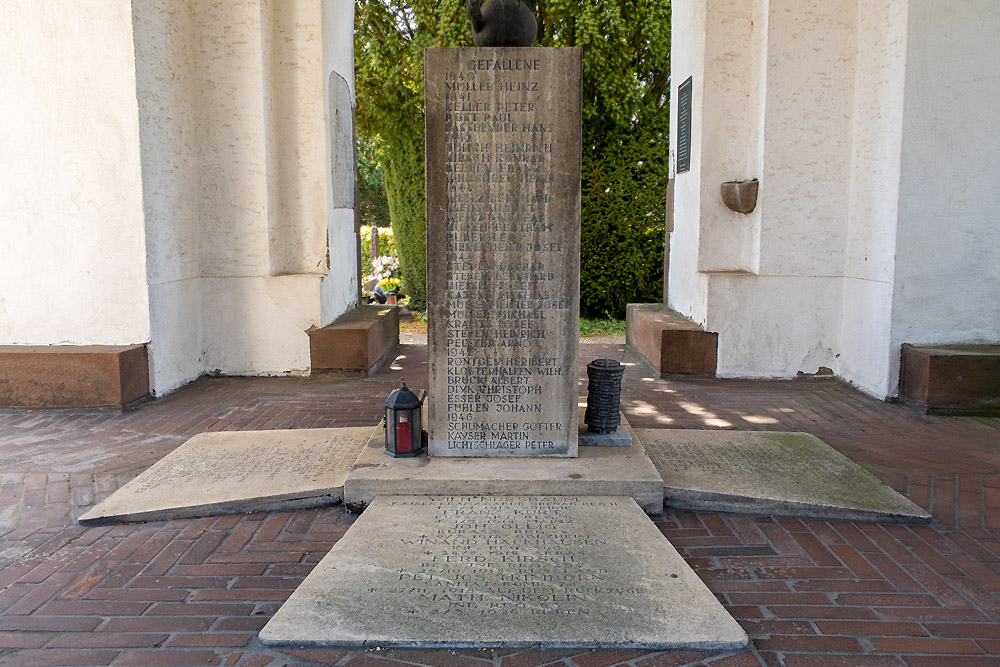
(740, 196)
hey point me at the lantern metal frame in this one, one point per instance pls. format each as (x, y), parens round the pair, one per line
(604, 391)
(403, 426)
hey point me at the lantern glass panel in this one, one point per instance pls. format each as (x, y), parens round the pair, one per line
(404, 433)
(390, 429)
(418, 434)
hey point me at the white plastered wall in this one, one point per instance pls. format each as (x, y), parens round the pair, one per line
(72, 243)
(776, 81)
(341, 289)
(688, 287)
(166, 48)
(947, 278)
(866, 354)
(877, 215)
(732, 125)
(237, 179)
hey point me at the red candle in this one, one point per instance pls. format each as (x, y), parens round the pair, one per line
(403, 439)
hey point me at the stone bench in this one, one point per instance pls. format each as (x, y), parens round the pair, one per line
(669, 342)
(73, 376)
(951, 379)
(360, 342)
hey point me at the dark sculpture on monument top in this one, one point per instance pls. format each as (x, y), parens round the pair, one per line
(501, 22)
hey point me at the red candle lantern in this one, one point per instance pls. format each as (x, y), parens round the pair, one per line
(403, 434)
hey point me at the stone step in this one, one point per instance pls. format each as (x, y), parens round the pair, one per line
(951, 379)
(360, 341)
(503, 572)
(669, 342)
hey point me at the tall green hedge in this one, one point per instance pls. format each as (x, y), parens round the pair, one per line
(624, 186)
(625, 89)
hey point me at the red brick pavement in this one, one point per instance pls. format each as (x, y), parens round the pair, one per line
(195, 592)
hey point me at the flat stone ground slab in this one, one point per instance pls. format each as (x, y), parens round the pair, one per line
(790, 474)
(470, 572)
(597, 471)
(239, 471)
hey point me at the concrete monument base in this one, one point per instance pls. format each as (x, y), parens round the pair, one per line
(517, 572)
(597, 471)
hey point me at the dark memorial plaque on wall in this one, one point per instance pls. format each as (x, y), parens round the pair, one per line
(684, 127)
(503, 130)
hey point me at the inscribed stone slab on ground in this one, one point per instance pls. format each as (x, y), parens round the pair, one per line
(503, 130)
(239, 471)
(793, 474)
(503, 572)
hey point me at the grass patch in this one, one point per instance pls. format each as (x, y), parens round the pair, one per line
(590, 327)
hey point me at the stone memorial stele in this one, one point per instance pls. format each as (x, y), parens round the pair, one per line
(503, 129)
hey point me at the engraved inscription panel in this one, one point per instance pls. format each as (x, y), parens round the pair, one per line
(300, 462)
(226, 470)
(506, 555)
(769, 471)
(503, 571)
(503, 246)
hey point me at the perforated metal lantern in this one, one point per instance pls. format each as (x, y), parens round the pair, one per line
(403, 435)
(604, 396)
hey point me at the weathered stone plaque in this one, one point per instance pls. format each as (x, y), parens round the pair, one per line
(793, 474)
(239, 471)
(508, 571)
(503, 250)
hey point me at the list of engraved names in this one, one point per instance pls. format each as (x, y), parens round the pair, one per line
(507, 257)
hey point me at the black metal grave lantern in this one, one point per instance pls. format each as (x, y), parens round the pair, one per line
(603, 396)
(403, 435)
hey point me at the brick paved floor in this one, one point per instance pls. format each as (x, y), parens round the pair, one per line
(195, 592)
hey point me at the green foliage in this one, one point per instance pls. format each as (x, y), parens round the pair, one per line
(624, 183)
(591, 327)
(626, 118)
(373, 204)
(625, 88)
(390, 36)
